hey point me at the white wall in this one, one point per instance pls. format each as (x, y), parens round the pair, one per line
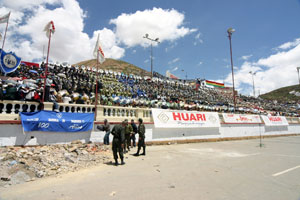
(12, 134)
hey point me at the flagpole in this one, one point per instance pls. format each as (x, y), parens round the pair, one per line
(46, 68)
(96, 97)
(5, 32)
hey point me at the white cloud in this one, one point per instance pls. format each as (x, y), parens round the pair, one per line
(28, 4)
(198, 40)
(174, 69)
(289, 45)
(69, 42)
(200, 63)
(173, 61)
(276, 71)
(146, 61)
(167, 25)
(246, 57)
(173, 44)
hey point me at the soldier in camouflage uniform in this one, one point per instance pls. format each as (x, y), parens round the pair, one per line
(141, 132)
(118, 142)
(128, 132)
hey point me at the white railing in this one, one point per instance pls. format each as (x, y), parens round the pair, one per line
(76, 108)
(9, 110)
(15, 107)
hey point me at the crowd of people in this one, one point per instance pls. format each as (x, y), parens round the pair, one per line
(76, 84)
(124, 135)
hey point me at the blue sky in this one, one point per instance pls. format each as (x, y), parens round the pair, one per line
(193, 36)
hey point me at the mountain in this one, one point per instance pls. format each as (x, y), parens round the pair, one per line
(117, 66)
(284, 94)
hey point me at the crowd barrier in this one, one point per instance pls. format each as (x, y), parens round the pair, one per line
(9, 110)
(11, 130)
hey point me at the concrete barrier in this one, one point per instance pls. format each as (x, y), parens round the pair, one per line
(11, 134)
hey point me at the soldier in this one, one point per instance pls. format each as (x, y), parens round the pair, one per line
(118, 142)
(128, 132)
(134, 128)
(141, 132)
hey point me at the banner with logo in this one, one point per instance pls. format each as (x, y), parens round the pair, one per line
(184, 119)
(57, 121)
(275, 120)
(9, 61)
(241, 119)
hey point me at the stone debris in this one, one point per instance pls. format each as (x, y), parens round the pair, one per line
(113, 193)
(24, 164)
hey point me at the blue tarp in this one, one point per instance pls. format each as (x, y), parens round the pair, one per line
(57, 121)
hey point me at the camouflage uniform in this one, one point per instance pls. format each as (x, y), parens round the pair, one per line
(141, 132)
(119, 137)
(128, 132)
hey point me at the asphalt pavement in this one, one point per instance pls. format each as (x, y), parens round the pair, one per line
(229, 170)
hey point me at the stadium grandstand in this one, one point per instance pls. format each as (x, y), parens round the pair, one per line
(76, 85)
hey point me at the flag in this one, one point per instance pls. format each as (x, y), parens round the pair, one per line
(4, 19)
(99, 50)
(49, 27)
(214, 84)
(169, 75)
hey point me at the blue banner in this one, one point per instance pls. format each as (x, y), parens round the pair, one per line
(9, 61)
(57, 121)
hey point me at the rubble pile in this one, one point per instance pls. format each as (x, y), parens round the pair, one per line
(22, 164)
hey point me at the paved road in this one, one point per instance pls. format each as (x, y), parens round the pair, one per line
(230, 170)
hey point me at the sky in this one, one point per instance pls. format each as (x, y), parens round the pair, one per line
(193, 36)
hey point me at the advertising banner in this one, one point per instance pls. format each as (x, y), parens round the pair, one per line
(275, 120)
(241, 119)
(184, 119)
(57, 121)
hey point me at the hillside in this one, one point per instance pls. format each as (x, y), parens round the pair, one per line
(283, 94)
(117, 66)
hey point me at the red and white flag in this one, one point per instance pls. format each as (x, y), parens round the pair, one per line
(49, 27)
(169, 75)
(99, 50)
(4, 19)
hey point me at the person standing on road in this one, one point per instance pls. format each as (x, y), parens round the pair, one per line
(134, 128)
(106, 128)
(141, 132)
(118, 142)
(128, 132)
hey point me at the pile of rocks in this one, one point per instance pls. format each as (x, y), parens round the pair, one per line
(20, 164)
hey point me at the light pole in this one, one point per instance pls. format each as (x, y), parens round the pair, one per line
(230, 31)
(185, 74)
(152, 40)
(253, 74)
(298, 68)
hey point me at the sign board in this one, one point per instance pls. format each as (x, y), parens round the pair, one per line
(8, 61)
(275, 120)
(57, 121)
(241, 119)
(184, 119)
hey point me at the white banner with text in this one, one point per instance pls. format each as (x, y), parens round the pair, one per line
(275, 120)
(184, 119)
(241, 119)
